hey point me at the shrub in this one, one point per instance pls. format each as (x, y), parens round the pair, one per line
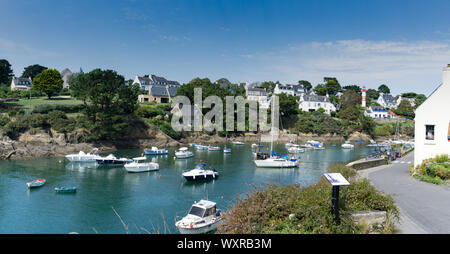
(4, 120)
(267, 210)
(67, 108)
(12, 113)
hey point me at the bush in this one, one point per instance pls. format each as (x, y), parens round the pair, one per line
(4, 120)
(67, 108)
(12, 113)
(268, 210)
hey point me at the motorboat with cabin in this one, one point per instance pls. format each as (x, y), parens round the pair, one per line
(213, 148)
(201, 147)
(347, 145)
(183, 152)
(201, 172)
(295, 149)
(82, 156)
(111, 160)
(139, 165)
(203, 217)
(155, 151)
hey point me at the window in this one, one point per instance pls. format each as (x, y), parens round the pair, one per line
(429, 132)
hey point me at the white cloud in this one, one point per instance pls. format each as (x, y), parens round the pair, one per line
(402, 65)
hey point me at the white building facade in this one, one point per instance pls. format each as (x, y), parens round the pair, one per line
(313, 102)
(21, 83)
(378, 112)
(294, 90)
(432, 123)
(259, 95)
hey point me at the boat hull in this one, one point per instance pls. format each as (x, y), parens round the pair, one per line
(159, 152)
(200, 230)
(198, 178)
(275, 164)
(144, 168)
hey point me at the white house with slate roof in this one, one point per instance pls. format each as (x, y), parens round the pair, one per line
(387, 100)
(432, 123)
(21, 83)
(294, 90)
(259, 95)
(312, 102)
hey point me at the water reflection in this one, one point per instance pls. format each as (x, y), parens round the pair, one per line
(80, 166)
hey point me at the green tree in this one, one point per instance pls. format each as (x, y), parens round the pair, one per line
(372, 94)
(306, 84)
(49, 81)
(33, 70)
(409, 95)
(109, 100)
(269, 86)
(350, 98)
(405, 109)
(420, 98)
(5, 71)
(384, 89)
(288, 105)
(355, 88)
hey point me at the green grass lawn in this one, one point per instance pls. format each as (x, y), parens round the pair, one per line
(29, 104)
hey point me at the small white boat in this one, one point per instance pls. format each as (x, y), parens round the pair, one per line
(347, 145)
(201, 172)
(155, 151)
(139, 165)
(201, 147)
(295, 149)
(226, 150)
(183, 152)
(36, 183)
(238, 143)
(213, 148)
(290, 144)
(202, 218)
(81, 157)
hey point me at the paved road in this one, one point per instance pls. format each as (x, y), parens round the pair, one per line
(425, 207)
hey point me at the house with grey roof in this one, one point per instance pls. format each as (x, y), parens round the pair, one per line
(259, 95)
(21, 83)
(160, 90)
(148, 80)
(387, 100)
(294, 90)
(312, 102)
(65, 75)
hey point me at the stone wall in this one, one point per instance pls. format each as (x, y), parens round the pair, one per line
(364, 164)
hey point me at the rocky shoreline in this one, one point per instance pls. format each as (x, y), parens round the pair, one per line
(53, 144)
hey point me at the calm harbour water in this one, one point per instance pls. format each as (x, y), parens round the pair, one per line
(143, 200)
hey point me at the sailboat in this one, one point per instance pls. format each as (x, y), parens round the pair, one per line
(274, 160)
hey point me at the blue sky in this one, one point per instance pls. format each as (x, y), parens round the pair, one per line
(404, 44)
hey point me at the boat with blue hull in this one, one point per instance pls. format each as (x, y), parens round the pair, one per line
(66, 189)
(156, 151)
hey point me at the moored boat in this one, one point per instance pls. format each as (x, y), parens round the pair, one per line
(203, 217)
(36, 183)
(201, 172)
(81, 157)
(65, 189)
(155, 151)
(347, 145)
(237, 143)
(138, 165)
(183, 152)
(213, 148)
(295, 149)
(111, 160)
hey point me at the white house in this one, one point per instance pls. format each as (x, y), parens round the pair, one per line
(21, 83)
(432, 123)
(294, 90)
(379, 112)
(387, 100)
(312, 102)
(259, 95)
